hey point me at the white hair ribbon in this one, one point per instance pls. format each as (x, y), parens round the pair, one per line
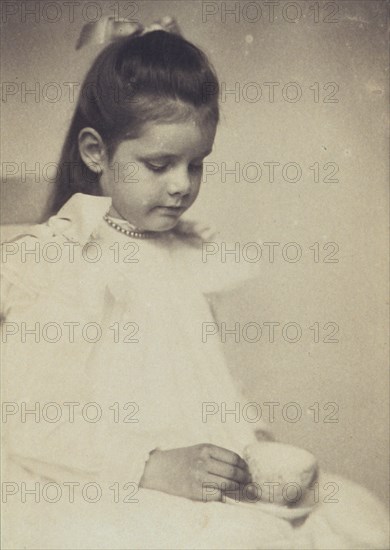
(108, 29)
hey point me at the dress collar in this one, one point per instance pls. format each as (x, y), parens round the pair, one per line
(79, 217)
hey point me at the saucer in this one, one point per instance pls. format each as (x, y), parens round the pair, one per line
(283, 512)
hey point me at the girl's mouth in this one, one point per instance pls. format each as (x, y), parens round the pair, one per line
(171, 210)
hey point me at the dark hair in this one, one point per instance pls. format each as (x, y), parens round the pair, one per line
(132, 81)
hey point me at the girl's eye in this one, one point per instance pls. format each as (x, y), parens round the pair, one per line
(161, 168)
(156, 167)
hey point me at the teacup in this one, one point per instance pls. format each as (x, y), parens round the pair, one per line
(281, 474)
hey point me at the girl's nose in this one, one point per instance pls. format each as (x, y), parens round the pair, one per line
(179, 182)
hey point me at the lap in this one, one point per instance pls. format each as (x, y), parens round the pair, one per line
(156, 520)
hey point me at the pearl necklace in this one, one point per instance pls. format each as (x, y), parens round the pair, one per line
(131, 233)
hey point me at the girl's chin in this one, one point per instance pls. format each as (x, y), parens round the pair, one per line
(163, 225)
(159, 220)
(163, 219)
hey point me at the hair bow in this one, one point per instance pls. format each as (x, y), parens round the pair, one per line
(109, 29)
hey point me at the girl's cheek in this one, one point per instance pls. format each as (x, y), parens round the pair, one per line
(196, 188)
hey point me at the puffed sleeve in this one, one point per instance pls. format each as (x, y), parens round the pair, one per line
(21, 272)
(58, 422)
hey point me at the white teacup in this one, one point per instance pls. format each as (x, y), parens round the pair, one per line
(281, 473)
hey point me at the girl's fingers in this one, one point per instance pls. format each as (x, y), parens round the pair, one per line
(229, 457)
(228, 472)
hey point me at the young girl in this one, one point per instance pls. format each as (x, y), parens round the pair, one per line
(106, 375)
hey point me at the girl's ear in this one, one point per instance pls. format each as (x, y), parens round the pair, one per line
(92, 150)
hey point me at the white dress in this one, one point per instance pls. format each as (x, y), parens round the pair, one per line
(120, 368)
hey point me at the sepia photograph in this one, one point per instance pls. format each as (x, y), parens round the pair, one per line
(194, 274)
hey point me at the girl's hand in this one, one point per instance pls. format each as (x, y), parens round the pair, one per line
(201, 472)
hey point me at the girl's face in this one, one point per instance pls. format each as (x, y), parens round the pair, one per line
(156, 177)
